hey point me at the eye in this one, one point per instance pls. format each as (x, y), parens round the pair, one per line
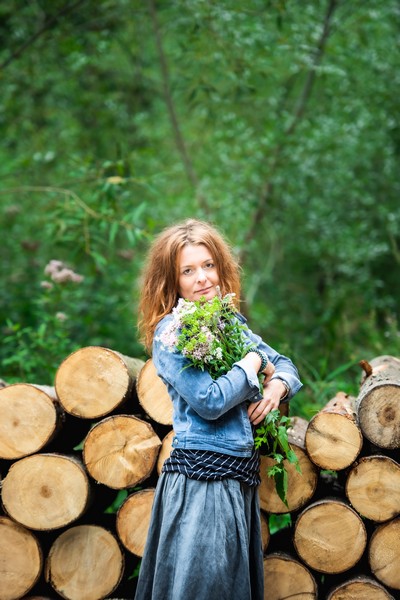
(187, 272)
(209, 265)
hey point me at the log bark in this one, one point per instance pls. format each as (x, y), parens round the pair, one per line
(133, 520)
(297, 432)
(301, 486)
(84, 562)
(121, 451)
(384, 553)
(360, 588)
(329, 536)
(285, 577)
(378, 403)
(46, 491)
(20, 560)
(333, 438)
(94, 381)
(373, 488)
(30, 417)
(153, 395)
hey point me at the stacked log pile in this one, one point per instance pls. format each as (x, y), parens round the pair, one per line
(79, 463)
(344, 540)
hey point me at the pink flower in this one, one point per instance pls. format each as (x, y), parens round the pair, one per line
(60, 273)
(61, 316)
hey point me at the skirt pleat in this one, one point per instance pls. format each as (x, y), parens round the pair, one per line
(204, 542)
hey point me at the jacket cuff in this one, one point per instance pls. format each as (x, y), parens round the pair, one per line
(252, 380)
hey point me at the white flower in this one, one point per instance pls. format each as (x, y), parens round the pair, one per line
(218, 353)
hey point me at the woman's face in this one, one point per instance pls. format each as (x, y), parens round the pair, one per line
(198, 274)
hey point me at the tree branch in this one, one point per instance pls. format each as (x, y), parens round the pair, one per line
(179, 140)
(297, 116)
(46, 26)
(311, 75)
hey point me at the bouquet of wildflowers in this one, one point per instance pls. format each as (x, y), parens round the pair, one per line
(210, 337)
(207, 334)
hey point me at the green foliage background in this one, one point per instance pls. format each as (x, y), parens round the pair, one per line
(277, 120)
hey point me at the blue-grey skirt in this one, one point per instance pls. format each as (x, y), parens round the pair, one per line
(204, 542)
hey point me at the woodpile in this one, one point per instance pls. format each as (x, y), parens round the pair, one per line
(79, 463)
(344, 539)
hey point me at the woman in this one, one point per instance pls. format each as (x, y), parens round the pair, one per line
(204, 541)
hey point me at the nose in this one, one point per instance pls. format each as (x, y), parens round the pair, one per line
(201, 274)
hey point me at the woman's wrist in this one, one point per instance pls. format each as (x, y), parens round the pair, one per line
(262, 355)
(286, 389)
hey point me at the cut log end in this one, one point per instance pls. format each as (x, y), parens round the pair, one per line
(21, 560)
(121, 451)
(373, 488)
(45, 491)
(285, 577)
(330, 537)
(166, 449)
(153, 395)
(28, 420)
(133, 520)
(301, 486)
(384, 553)
(85, 562)
(379, 415)
(360, 588)
(378, 403)
(93, 381)
(333, 441)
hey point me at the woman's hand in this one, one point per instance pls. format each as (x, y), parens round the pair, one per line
(274, 390)
(268, 372)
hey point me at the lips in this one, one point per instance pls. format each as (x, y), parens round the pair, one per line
(204, 291)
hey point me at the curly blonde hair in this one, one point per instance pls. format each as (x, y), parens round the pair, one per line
(160, 278)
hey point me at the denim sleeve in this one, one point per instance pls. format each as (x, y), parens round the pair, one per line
(209, 398)
(284, 368)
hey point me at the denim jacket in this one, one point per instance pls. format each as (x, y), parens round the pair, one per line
(212, 414)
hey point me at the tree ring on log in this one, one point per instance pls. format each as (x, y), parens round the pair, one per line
(46, 491)
(21, 560)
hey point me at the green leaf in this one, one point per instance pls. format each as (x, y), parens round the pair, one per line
(113, 232)
(118, 501)
(281, 484)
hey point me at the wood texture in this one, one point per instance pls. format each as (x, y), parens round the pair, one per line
(378, 403)
(165, 451)
(29, 419)
(153, 395)
(121, 451)
(360, 588)
(285, 577)
(329, 536)
(50, 491)
(20, 560)
(301, 486)
(333, 438)
(373, 487)
(133, 520)
(93, 381)
(46, 491)
(84, 563)
(384, 553)
(265, 533)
